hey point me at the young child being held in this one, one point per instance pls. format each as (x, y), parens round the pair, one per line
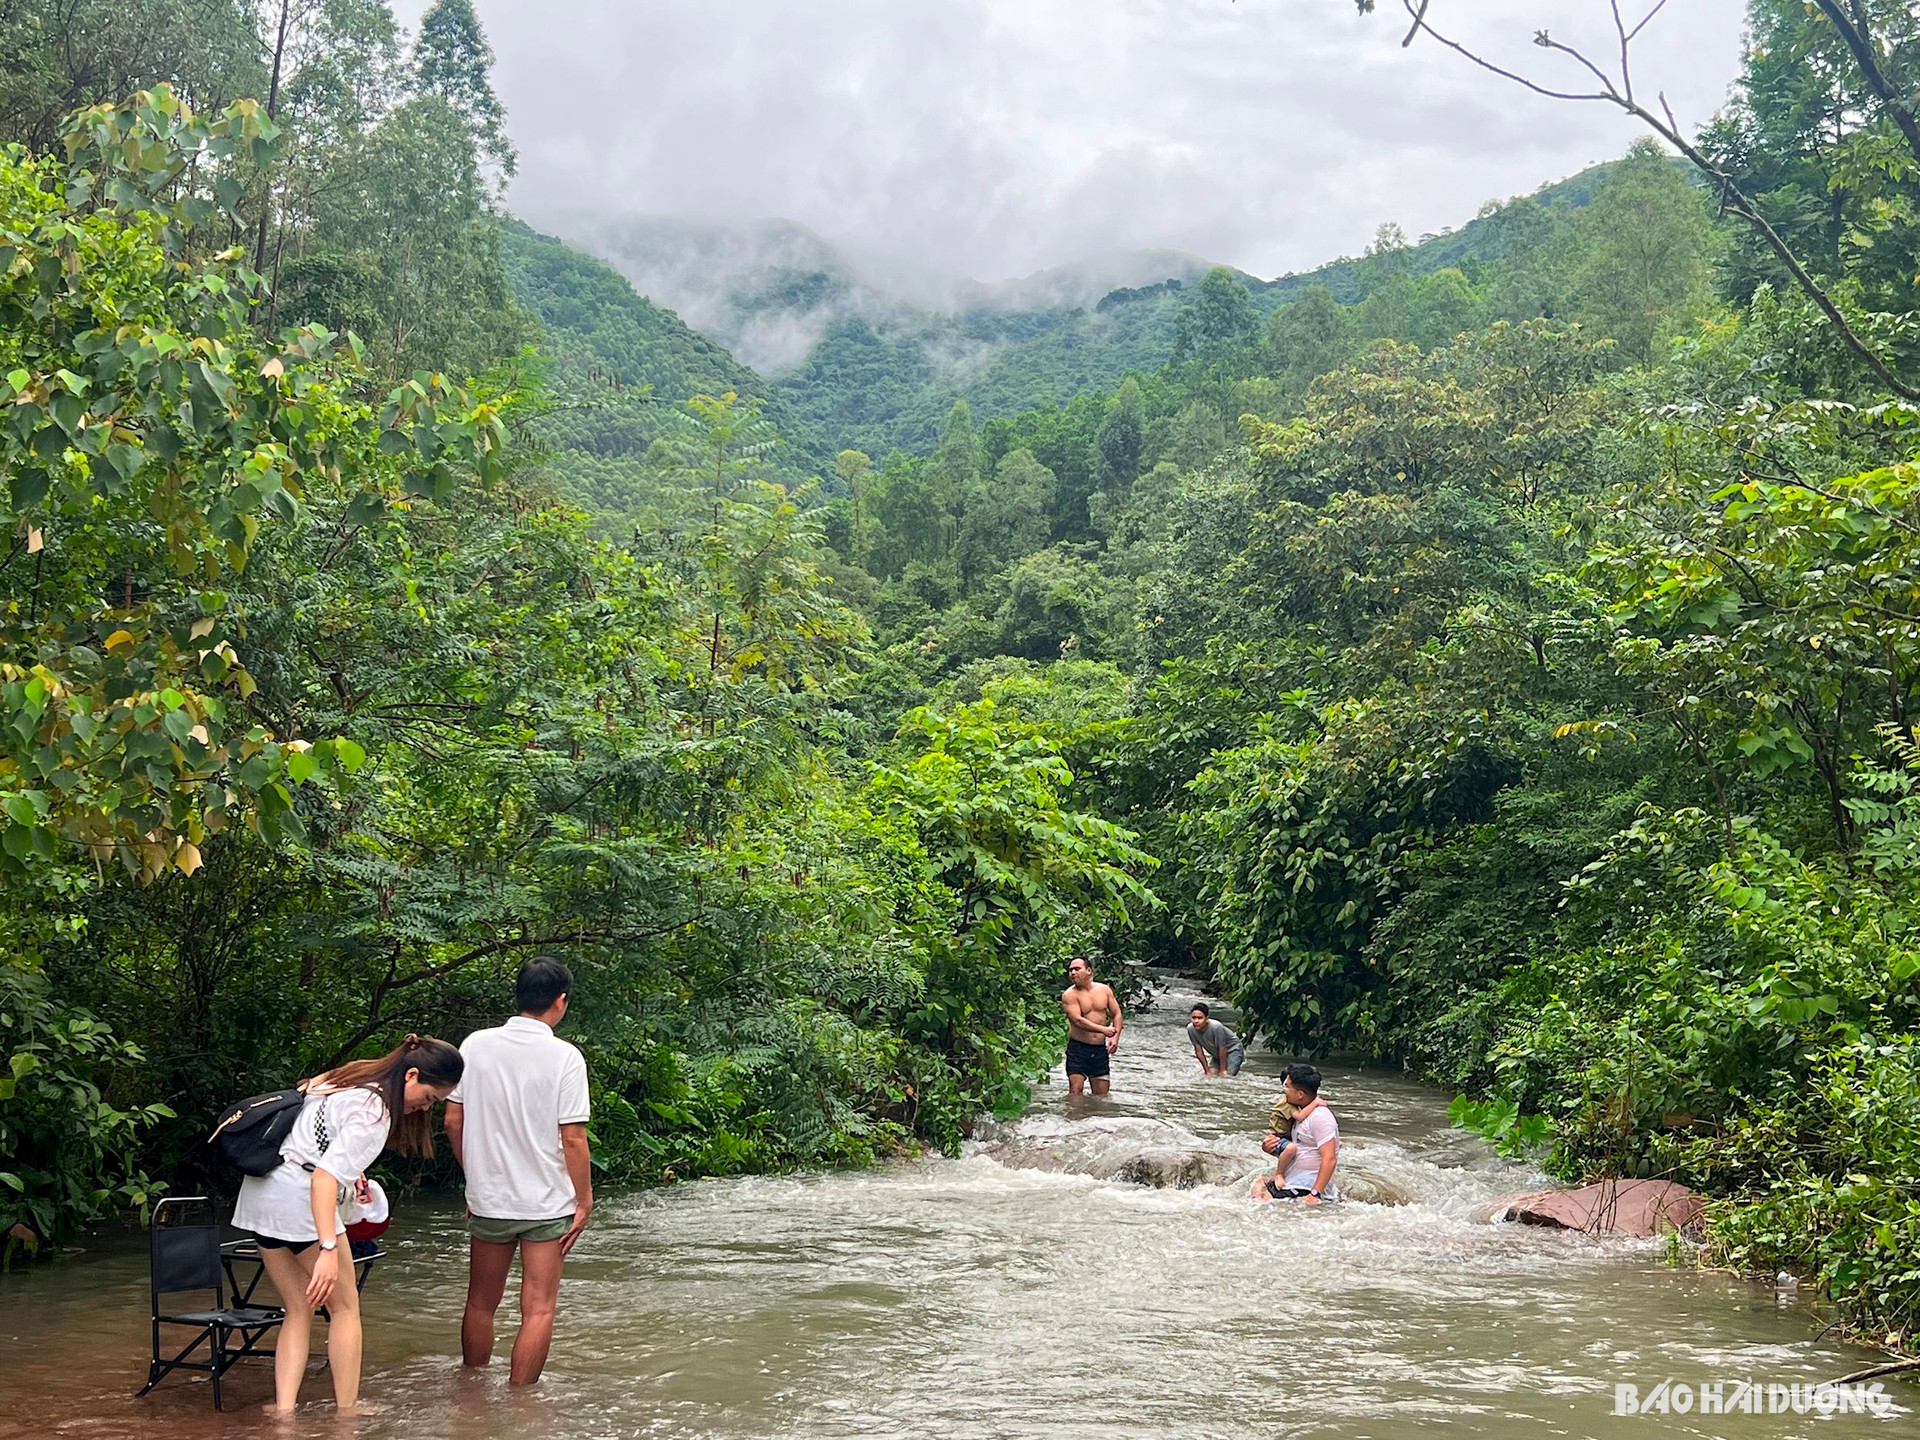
(1279, 1144)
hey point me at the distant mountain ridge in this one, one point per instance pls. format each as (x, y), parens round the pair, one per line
(769, 289)
(868, 353)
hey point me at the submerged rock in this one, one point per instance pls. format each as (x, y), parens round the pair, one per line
(1167, 1168)
(1612, 1207)
(1354, 1181)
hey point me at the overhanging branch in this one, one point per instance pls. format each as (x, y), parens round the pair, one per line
(1733, 200)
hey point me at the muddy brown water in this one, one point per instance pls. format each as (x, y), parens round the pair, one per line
(1022, 1290)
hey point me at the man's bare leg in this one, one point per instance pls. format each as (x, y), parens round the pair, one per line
(488, 1264)
(1076, 1084)
(540, 1262)
(1101, 1085)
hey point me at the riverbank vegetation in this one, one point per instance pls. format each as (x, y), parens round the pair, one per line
(1504, 669)
(322, 711)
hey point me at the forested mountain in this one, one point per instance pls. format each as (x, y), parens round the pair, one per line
(873, 355)
(620, 370)
(1500, 660)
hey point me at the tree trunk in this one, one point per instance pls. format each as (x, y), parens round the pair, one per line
(273, 109)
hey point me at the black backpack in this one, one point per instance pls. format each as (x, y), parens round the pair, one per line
(251, 1131)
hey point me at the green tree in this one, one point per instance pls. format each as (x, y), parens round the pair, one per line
(1006, 518)
(58, 56)
(1645, 269)
(956, 470)
(1118, 443)
(411, 215)
(1440, 308)
(1821, 153)
(71, 1154)
(1194, 436)
(1014, 869)
(451, 59)
(855, 469)
(1216, 332)
(151, 434)
(1308, 337)
(1529, 241)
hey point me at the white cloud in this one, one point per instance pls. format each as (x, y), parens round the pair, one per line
(995, 137)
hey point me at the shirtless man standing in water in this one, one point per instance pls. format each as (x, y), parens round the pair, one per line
(1093, 1028)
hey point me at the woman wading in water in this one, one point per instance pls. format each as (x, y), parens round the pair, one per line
(351, 1114)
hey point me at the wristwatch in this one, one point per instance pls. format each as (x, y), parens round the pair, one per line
(333, 1244)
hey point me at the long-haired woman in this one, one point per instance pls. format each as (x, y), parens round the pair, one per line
(352, 1112)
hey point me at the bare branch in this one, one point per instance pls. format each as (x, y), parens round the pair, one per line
(1547, 42)
(1620, 29)
(1646, 20)
(378, 1020)
(1503, 73)
(1419, 16)
(1893, 1369)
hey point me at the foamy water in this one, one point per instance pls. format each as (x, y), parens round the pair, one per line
(1025, 1289)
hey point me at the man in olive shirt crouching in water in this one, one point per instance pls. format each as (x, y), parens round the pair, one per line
(518, 1123)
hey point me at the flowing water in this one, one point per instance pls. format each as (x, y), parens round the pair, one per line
(1040, 1286)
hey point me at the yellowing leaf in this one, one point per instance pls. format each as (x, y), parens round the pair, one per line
(187, 857)
(119, 637)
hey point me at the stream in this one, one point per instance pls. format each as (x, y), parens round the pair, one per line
(1034, 1287)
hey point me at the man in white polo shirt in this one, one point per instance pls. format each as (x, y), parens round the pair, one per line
(518, 1123)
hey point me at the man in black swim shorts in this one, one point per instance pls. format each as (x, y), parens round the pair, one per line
(1093, 1028)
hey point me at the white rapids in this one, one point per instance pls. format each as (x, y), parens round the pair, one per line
(1089, 1272)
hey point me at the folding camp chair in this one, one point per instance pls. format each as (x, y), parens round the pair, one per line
(186, 1256)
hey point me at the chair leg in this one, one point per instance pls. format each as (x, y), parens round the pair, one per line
(154, 1372)
(219, 1360)
(159, 1368)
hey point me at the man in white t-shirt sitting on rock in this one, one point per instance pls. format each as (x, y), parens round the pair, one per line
(1307, 1155)
(518, 1123)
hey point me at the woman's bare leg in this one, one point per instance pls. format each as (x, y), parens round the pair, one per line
(343, 1333)
(289, 1272)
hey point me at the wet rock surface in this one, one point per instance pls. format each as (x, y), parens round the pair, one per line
(1612, 1207)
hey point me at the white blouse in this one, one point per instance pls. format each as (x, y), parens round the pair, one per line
(353, 1124)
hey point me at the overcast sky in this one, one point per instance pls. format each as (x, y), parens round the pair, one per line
(991, 138)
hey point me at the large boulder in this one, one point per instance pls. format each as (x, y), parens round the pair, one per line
(1612, 1207)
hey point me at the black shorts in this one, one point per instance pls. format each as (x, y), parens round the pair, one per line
(1280, 1192)
(271, 1242)
(1089, 1060)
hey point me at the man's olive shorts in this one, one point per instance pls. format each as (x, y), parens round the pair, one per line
(505, 1232)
